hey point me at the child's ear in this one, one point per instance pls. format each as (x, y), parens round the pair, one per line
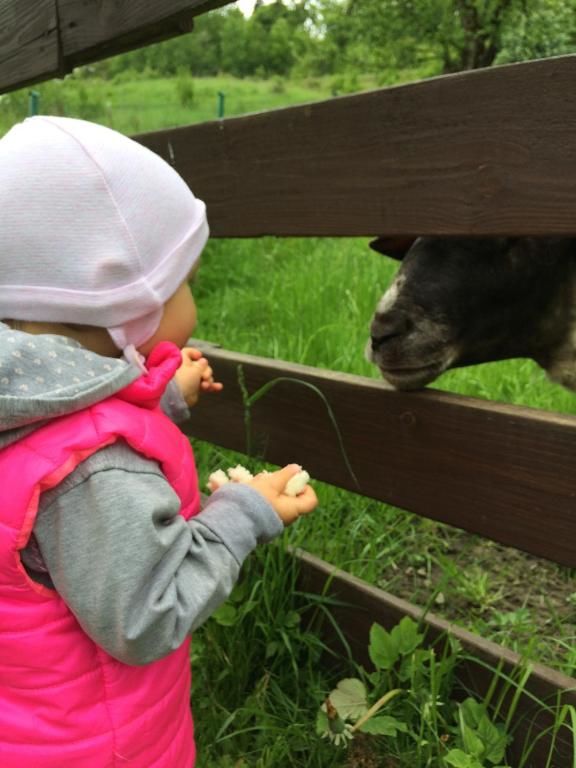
(395, 247)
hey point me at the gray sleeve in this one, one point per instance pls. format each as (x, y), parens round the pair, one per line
(138, 576)
(173, 403)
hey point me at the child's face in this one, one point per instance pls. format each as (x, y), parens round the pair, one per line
(178, 321)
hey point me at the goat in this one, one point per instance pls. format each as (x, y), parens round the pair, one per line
(461, 301)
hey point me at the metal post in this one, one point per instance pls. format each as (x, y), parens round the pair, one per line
(221, 98)
(33, 103)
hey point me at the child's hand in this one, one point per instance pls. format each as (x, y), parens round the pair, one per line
(195, 376)
(288, 508)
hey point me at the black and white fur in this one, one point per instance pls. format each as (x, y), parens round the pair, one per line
(461, 301)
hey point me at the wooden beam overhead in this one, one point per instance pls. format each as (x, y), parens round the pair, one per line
(41, 39)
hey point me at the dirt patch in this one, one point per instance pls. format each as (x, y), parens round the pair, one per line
(523, 602)
(361, 754)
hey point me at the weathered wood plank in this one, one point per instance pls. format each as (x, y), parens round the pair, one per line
(29, 47)
(485, 152)
(40, 39)
(505, 472)
(363, 604)
(94, 30)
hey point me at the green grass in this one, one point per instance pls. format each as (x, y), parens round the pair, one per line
(315, 297)
(309, 301)
(133, 104)
(257, 680)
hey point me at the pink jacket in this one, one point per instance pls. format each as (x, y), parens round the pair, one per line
(64, 702)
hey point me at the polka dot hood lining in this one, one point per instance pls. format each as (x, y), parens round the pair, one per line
(44, 376)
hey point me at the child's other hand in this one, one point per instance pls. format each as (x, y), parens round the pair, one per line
(195, 376)
(288, 508)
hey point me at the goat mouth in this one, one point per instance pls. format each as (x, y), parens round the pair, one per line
(412, 377)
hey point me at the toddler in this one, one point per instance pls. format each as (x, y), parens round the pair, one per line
(107, 563)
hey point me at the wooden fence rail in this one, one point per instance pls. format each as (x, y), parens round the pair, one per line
(40, 39)
(501, 471)
(485, 152)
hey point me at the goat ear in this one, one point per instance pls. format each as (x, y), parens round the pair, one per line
(395, 247)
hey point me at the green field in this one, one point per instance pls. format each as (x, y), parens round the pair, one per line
(257, 680)
(133, 104)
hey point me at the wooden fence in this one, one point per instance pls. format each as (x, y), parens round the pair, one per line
(482, 153)
(490, 152)
(468, 154)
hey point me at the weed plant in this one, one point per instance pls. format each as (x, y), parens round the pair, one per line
(257, 673)
(267, 692)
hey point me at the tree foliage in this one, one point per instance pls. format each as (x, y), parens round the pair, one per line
(319, 37)
(454, 35)
(463, 34)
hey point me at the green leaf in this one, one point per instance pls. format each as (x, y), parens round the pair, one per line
(459, 759)
(406, 636)
(477, 729)
(494, 738)
(226, 615)
(248, 606)
(387, 647)
(239, 593)
(272, 648)
(321, 722)
(472, 742)
(384, 725)
(292, 619)
(349, 698)
(473, 711)
(375, 678)
(383, 648)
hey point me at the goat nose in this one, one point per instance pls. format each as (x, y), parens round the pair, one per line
(389, 325)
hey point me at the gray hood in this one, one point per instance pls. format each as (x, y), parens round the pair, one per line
(44, 376)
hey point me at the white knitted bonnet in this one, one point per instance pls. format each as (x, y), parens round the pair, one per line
(95, 229)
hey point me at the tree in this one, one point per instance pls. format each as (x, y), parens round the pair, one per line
(270, 42)
(457, 34)
(549, 29)
(394, 39)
